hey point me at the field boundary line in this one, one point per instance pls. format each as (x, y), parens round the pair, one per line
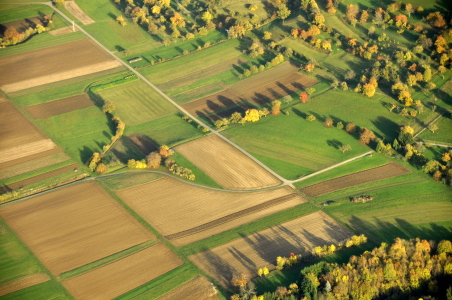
(230, 217)
(429, 123)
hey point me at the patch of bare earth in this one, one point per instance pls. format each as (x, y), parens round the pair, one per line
(260, 249)
(77, 12)
(29, 158)
(226, 165)
(184, 213)
(142, 142)
(62, 31)
(121, 276)
(199, 288)
(28, 149)
(382, 172)
(73, 226)
(21, 283)
(53, 64)
(57, 107)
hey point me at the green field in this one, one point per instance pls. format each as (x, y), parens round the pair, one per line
(442, 135)
(137, 102)
(47, 290)
(79, 133)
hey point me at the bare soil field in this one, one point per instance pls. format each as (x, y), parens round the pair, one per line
(382, 172)
(201, 74)
(71, 227)
(260, 249)
(226, 165)
(24, 150)
(32, 165)
(3, 99)
(21, 283)
(20, 25)
(185, 213)
(53, 64)
(29, 158)
(77, 12)
(199, 288)
(58, 107)
(62, 31)
(119, 277)
(35, 179)
(142, 143)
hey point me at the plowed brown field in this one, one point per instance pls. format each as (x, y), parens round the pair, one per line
(41, 177)
(185, 213)
(378, 173)
(53, 64)
(260, 249)
(58, 107)
(199, 288)
(21, 283)
(29, 158)
(225, 164)
(74, 226)
(119, 277)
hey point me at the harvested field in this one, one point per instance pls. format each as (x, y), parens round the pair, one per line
(199, 288)
(186, 213)
(226, 165)
(58, 107)
(77, 12)
(73, 226)
(201, 74)
(382, 172)
(29, 158)
(21, 283)
(142, 142)
(24, 150)
(62, 31)
(119, 277)
(37, 67)
(203, 91)
(260, 249)
(3, 99)
(35, 179)
(32, 165)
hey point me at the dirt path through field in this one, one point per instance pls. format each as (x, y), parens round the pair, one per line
(21, 283)
(77, 12)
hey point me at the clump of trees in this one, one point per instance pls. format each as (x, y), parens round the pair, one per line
(12, 37)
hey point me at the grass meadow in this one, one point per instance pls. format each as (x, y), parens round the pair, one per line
(442, 135)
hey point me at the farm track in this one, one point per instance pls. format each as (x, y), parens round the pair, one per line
(230, 217)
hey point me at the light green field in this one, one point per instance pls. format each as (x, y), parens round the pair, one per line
(137, 102)
(442, 135)
(193, 62)
(79, 133)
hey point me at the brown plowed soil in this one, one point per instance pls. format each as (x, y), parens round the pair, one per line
(73, 226)
(77, 12)
(53, 64)
(199, 288)
(27, 149)
(121, 276)
(260, 249)
(41, 177)
(378, 173)
(142, 142)
(21, 283)
(189, 213)
(58, 107)
(29, 158)
(226, 165)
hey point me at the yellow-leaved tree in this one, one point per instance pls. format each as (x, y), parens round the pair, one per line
(252, 115)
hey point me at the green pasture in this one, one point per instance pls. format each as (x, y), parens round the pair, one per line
(433, 5)
(79, 133)
(11, 12)
(442, 135)
(137, 102)
(193, 62)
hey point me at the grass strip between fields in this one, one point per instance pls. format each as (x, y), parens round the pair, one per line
(106, 260)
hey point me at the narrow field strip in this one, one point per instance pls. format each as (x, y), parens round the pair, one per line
(386, 171)
(30, 158)
(22, 283)
(199, 288)
(57, 107)
(77, 12)
(27, 149)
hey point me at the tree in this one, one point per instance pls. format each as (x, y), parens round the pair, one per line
(235, 118)
(364, 16)
(241, 280)
(431, 166)
(350, 128)
(283, 12)
(345, 148)
(340, 125)
(366, 136)
(309, 67)
(276, 107)
(436, 19)
(267, 35)
(236, 31)
(352, 12)
(349, 75)
(108, 107)
(121, 21)
(304, 97)
(313, 30)
(328, 122)
(153, 160)
(165, 151)
(406, 135)
(444, 247)
(310, 90)
(287, 99)
(252, 115)
(207, 16)
(344, 86)
(368, 90)
(433, 127)
(101, 168)
(427, 74)
(310, 118)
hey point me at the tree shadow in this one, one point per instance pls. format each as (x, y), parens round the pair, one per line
(85, 154)
(389, 128)
(334, 143)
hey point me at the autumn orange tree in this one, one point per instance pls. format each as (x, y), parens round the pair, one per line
(304, 97)
(366, 135)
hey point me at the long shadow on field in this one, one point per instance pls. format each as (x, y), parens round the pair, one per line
(388, 127)
(387, 231)
(218, 267)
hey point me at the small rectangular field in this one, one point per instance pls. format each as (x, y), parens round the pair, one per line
(58, 107)
(119, 277)
(137, 102)
(184, 213)
(260, 249)
(199, 288)
(226, 165)
(53, 64)
(374, 174)
(74, 226)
